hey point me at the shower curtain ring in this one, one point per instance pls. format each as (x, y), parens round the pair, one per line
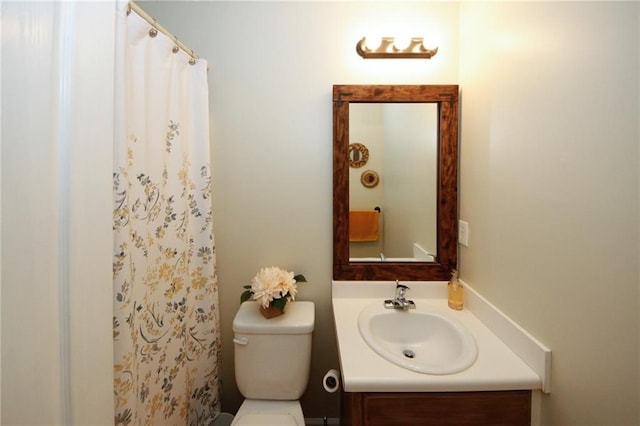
(153, 32)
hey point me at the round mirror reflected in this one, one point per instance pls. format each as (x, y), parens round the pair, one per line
(369, 179)
(358, 155)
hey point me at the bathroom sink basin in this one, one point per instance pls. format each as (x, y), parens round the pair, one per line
(418, 340)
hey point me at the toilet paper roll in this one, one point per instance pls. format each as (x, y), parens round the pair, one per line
(331, 381)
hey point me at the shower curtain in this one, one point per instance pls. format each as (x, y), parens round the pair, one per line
(166, 327)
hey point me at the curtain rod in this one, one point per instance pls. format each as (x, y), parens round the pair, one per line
(157, 26)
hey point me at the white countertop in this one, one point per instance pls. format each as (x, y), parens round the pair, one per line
(363, 370)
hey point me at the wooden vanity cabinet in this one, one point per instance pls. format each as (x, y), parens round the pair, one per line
(505, 408)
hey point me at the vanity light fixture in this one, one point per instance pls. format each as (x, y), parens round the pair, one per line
(388, 49)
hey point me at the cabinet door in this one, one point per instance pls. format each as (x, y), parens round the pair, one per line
(439, 408)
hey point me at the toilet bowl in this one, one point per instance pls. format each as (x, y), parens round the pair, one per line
(257, 412)
(272, 363)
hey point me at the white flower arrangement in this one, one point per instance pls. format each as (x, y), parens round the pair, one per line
(272, 286)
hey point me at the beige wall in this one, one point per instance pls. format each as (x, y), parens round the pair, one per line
(549, 167)
(549, 186)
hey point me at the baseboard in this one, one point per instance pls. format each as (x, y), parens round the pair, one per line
(317, 421)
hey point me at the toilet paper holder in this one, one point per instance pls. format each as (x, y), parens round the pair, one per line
(331, 381)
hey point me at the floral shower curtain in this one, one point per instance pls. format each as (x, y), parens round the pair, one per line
(166, 321)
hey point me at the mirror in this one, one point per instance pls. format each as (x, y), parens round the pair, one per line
(405, 226)
(403, 138)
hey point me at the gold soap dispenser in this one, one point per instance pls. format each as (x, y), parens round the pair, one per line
(456, 292)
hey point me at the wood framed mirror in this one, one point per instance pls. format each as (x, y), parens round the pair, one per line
(443, 256)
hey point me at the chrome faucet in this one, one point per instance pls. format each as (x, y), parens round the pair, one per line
(400, 301)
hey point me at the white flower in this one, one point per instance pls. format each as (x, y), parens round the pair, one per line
(273, 283)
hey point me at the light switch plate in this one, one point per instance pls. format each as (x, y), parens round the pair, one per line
(463, 233)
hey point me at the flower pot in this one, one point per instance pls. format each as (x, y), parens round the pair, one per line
(270, 312)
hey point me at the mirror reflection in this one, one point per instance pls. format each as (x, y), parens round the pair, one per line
(393, 209)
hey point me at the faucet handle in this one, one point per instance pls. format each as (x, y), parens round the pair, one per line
(401, 289)
(400, 302)
(398, 285)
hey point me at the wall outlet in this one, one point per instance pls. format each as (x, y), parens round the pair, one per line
(463, 233)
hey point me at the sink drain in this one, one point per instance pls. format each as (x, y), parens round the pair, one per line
(409, 353)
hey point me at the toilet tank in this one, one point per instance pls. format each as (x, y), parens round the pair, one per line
(273, 356)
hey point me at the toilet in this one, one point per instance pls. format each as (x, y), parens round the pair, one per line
(272, 362)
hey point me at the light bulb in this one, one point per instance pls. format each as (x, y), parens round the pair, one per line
(372, 42)
(401, 42)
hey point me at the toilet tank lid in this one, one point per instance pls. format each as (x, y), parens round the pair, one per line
(298, 318)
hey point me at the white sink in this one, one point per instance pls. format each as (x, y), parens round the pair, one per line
(418, 340)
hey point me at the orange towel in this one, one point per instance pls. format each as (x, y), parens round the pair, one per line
(363, 225)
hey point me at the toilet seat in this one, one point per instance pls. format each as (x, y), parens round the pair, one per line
(258, 412)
